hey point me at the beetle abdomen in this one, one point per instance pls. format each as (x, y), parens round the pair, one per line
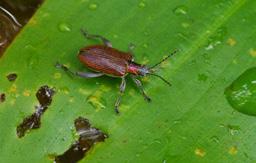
(104, 59)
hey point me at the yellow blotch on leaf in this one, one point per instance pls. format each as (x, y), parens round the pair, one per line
(13, 89)
(83, 91)
(96, 98)
(57, 75)
(32, 21)
(231, 42)
(252, 52)
(145, 79)
(26, 93)
(233, 150)
(200, 152)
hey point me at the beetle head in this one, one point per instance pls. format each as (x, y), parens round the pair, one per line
(143, 70)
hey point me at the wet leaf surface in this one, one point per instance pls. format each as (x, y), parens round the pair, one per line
(191, 121)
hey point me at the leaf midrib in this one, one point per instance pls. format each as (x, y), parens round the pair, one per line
(194, 47)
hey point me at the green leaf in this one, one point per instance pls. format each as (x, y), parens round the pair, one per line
(188, 122)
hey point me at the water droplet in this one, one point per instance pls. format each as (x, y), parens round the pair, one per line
(65, 90)
(180, 10)
(233, 129)
(32, 61)
(216, 39)
(183, 137)
(146, 33)
(145, 45)
(115, 36)
(155, 144)
(209, 47)
(241, 94)
(234, 61)
(84, 1)
(206, 58)
(202, 77)
(185, 24)
(222, 125)
(244, 20)
(177, 121)
(93, 6)
(183, 36)
(215, 139)
(71, 99)
(64, 27)
(142, 4)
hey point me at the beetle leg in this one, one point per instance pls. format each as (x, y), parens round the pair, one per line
(90, 36)
(81, 74)
(139, 85)
(122, 88)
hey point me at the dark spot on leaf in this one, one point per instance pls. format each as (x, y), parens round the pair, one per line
(44, 96)
(12, 76)
(87, 137)
(2, 97)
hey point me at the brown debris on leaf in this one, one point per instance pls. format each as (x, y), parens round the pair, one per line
(44, 96)
(88, 136)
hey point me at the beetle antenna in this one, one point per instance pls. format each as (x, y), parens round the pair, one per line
(174, 52)
(161, 78)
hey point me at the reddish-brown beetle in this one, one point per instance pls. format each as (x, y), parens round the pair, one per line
(106, 60)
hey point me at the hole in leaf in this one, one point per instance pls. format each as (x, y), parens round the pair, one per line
(2, 97)
(44, 96)
(88, 136)
(12, 76)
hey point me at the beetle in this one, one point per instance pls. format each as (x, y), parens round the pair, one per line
(106, 60)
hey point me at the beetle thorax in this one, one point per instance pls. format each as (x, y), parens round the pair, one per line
(138, 69)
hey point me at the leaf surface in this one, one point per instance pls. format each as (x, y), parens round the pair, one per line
(188, 122)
